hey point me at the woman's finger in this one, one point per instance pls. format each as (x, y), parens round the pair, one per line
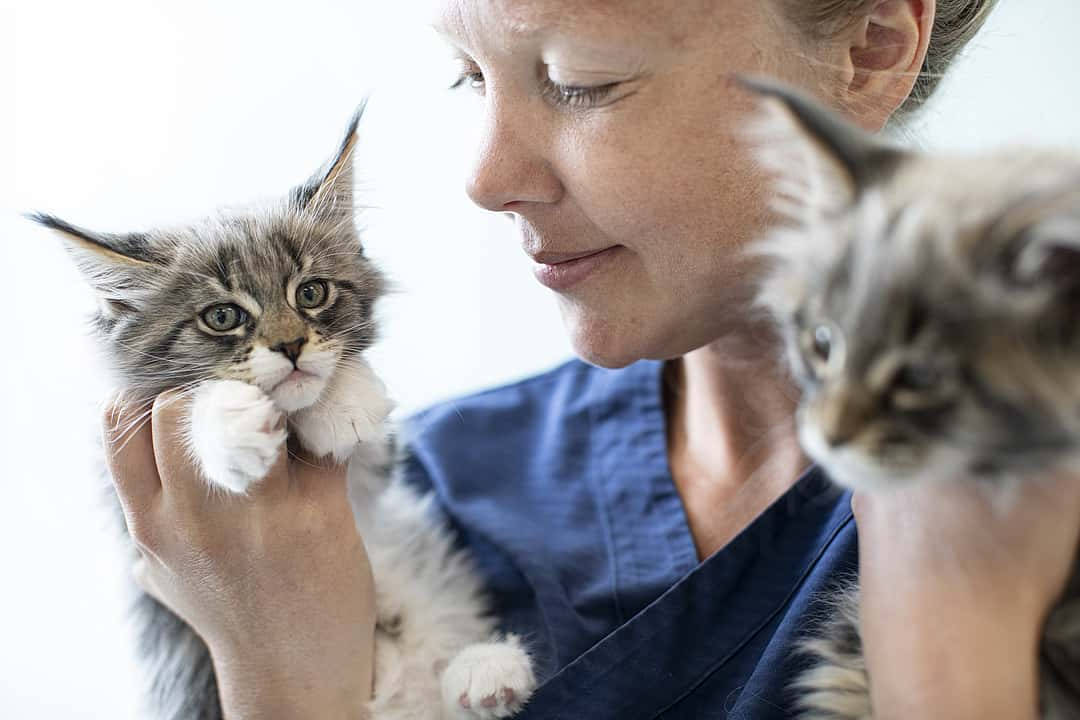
(181, 480)
(129, 453)
(315, 474)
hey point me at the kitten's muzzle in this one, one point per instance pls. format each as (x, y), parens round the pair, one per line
(841, 417)
(291, 349)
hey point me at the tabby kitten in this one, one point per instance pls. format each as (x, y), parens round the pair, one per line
(265, 315)
(928, 304)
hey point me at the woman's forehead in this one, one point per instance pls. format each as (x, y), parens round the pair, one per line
(464, 20)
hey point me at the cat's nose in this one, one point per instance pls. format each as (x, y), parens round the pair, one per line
(290, 349)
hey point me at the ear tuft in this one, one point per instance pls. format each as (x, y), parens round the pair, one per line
(120, 268)
(329, 192)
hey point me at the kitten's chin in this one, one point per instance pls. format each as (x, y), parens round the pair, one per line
(859, 471)
(297, 391)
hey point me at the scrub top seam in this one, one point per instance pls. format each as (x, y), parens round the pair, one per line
(848, 519)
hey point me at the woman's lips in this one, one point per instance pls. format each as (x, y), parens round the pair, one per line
(561, 271)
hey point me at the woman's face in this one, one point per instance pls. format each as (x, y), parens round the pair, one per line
(611, 136)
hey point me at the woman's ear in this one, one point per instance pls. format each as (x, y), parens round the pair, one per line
(886, 52)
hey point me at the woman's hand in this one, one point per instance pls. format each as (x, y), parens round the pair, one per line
(276, 582)
(956, 582)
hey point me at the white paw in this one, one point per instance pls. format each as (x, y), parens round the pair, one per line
(488, 680)
(235, 433)
(352, 411)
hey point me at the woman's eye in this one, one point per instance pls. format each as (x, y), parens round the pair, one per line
(474, 80)
(222, 318)
(469, 76)
(311, 295)
(574, 96)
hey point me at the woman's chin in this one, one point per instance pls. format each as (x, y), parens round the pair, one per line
(602, 343)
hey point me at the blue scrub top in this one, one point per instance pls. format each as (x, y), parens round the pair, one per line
(559, 487)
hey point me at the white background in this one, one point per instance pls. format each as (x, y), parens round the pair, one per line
(121, 114)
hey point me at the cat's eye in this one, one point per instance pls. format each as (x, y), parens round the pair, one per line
(311, 295)
(822, 341)
(223, 318)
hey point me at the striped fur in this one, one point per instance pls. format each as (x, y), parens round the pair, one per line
(928, 305)
(436, 653)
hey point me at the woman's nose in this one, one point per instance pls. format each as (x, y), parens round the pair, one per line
(513, 164)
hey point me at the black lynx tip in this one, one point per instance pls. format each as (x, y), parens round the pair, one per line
(354, 121)
(50, 221)
(54, 223)
(762, 85)
(335, 179)
(134, 246)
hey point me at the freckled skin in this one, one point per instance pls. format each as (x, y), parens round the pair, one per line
(658, 167)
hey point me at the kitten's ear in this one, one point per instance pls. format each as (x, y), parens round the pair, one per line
(329, 192)
(820, 156)
(120, 268)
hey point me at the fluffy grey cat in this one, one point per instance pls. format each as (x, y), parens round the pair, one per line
(263, 315)
(929, 307)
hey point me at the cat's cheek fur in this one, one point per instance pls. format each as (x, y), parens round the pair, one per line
(235, 433)
(351, 411)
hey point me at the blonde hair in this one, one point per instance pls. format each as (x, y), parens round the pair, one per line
(956, 22)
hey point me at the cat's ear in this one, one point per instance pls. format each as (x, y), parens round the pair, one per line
(820, 157)
(120, 268)
(328, 193)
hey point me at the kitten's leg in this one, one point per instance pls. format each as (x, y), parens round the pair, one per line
(351, 411)
(837, 686)
(235, 433)
(181, 673)
(488, 680)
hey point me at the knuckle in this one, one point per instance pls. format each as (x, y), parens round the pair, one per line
(170, 407)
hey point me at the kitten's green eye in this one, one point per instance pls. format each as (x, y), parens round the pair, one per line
(311, 295)
(822, 341)
(222, 318)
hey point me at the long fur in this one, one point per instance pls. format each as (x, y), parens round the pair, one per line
(928, 304)
(436, 654)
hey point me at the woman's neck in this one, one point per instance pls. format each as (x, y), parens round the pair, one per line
(732, 440)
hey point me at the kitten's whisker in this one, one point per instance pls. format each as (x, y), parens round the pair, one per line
(139, 421)
(301, 460)
(170, 361)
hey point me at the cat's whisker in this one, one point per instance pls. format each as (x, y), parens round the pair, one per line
(300, 459)
(139, 421)
(170, 361)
